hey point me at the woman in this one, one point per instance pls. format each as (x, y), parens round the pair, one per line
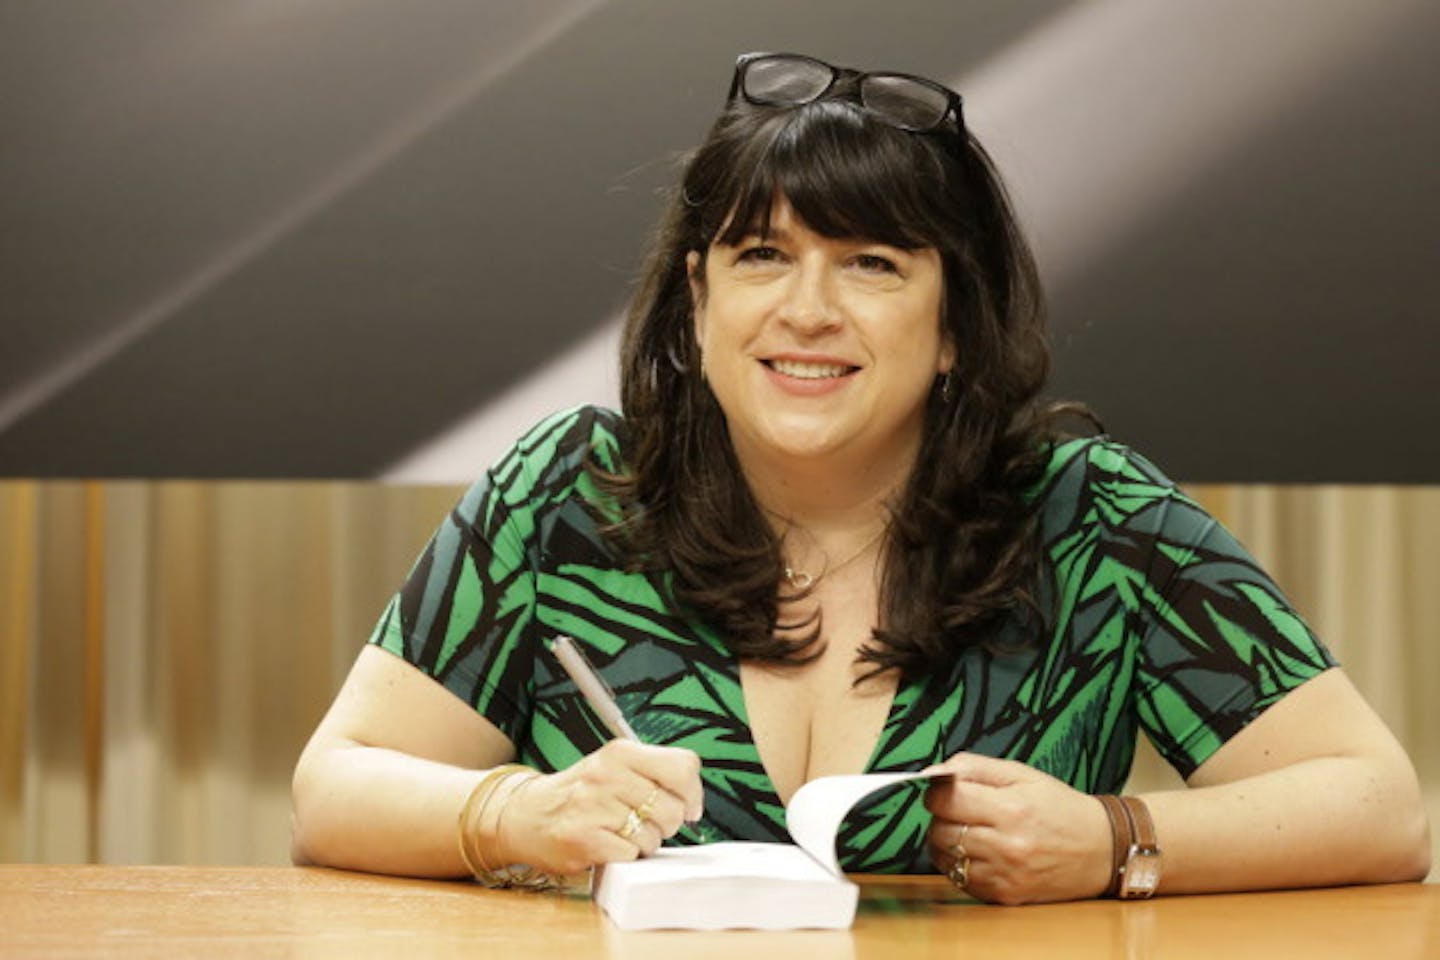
(835, 531)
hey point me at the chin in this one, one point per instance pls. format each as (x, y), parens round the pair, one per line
(804, 439)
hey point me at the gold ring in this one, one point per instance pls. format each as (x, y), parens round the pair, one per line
(957, 849)
(648, 807)
(959, 872)
(632, 824)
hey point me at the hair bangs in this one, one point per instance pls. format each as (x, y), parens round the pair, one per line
(844, 174)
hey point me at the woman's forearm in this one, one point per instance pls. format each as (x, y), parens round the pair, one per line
(1321, 821)
(373, 809)
(396, 809)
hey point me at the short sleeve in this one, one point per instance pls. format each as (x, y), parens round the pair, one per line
(1218, 643)
(465, 613)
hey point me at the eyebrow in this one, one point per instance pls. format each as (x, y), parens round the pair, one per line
(782, 235)
(774, 233)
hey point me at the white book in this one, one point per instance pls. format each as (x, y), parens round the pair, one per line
(765, 886)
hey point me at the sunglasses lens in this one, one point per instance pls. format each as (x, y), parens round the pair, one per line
(904, 101)
(785, 80)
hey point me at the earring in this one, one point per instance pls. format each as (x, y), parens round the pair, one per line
(945, 387)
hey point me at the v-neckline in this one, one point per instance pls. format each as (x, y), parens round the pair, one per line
(893, 711)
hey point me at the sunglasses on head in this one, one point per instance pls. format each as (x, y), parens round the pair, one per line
(902, 100)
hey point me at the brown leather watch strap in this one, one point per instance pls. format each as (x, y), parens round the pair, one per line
(1144, 826)
(1140, 876)
(1121, 839)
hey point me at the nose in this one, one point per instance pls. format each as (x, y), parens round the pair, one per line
(809, 305)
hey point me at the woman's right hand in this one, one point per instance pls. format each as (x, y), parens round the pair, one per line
(567, 821)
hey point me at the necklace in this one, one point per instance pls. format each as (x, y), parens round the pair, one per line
(800, 580)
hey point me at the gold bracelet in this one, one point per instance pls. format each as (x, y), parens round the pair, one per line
(522, 876)
(471, 829)
(477, 799)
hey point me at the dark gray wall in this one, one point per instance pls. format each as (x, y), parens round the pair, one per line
(271, 239)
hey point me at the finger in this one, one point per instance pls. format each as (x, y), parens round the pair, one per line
(647, 839)
(966, 877)
(674, 768)
(639, 831)
(984, 876)
(621, 820)
(662, 808)
(978, 768)
(653, 802)
(607, 782)
(607, 847)
(618, 769)
(949, 841)
(585, 832)
(946, 856)
(963, 801)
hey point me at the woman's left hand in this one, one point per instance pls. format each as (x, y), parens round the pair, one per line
(1029, 837)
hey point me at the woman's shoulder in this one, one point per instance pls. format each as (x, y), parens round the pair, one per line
(562, 442)
(550, 461)
(564, 431)
(1100, 457)
(1099, 479)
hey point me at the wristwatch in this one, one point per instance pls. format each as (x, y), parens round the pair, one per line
(1140, 873)
(1135, 867)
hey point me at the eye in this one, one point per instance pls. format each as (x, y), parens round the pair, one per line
(874, 263)
(759, 253)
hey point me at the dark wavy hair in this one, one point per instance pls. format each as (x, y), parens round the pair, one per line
(961, 554)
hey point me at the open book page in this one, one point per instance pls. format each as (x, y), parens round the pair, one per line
(817, 808)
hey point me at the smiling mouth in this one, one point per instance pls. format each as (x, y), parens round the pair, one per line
(809, 371)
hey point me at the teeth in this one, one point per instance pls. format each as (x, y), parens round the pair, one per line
(808, 371)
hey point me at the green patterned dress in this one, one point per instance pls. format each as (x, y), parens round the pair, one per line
(1160, 621)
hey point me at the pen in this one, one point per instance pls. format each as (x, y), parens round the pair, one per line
(602, 701)
(596, 693)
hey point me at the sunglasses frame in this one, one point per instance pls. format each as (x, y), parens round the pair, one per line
(953, 101)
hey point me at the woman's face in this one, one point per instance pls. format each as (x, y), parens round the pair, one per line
(817, 346)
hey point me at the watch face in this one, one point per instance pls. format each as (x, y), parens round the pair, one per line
(1142, 873)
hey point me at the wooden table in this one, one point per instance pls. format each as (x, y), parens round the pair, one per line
(218, 912)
